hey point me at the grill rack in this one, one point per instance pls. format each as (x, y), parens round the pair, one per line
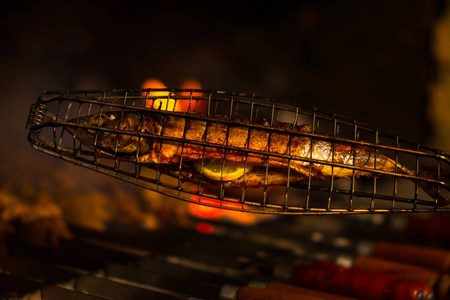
(385, 192)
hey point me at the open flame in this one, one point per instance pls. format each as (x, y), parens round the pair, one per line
(163, 101)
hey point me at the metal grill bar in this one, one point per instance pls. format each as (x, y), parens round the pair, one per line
(182, 141)
(57, 123)
(180, 263)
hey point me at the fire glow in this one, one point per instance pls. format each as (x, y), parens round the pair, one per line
(161, 99)
(214, 213)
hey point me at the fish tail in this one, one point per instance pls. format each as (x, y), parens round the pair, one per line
(432, 188)
(404, 170)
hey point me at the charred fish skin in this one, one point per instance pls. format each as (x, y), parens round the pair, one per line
(300, 149)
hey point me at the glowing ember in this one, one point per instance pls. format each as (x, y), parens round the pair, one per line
(214, 213)
(205, 228)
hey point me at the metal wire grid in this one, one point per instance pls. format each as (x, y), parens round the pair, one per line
(55, 111)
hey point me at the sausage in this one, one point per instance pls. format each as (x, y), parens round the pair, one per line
(399, 270)
(304, 291)
(361, 284)
(428, 257)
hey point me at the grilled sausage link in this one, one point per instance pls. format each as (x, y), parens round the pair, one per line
(361, 284)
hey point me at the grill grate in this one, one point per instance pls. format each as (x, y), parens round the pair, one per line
(97, 267)
(180, 263)
(293, 160)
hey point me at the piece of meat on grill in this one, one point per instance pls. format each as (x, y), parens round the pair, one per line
(285, 148)
(276, 153)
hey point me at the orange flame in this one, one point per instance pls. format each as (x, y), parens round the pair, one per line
(161, 100)
(191, 104)
(163, 103)
(190, 84)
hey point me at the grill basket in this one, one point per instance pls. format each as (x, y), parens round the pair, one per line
(57, 119)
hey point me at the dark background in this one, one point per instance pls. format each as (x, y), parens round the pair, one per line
(368, 60)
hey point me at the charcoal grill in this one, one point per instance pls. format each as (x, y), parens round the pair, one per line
(179, 263)
(55, 117)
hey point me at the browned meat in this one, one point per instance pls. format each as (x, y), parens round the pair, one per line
(283, 149)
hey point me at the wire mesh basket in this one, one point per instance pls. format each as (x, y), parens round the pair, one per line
(239, 151)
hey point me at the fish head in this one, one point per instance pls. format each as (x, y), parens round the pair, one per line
(111, 132)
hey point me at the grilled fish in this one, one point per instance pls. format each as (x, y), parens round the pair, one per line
(284, 154)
